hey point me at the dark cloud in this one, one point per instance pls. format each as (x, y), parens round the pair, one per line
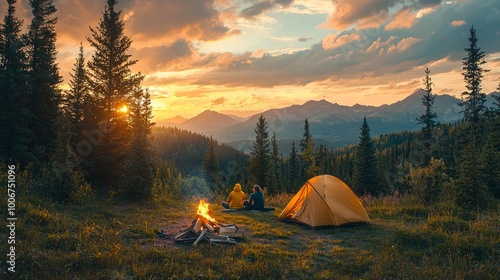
(263, 6)
(218, 101)
(145, 20)
(304, 39)
(75, 17)
(426, 3)
(177, 55)
(188, 19)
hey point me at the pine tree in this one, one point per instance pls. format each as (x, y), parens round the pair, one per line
(76, 98)
(304, 142)
(275, 180)
(210, 166)
(365, 179)
(490, 155)
(139, 173)
(45, 98)
(111, 80)
(473, 99)
(294, 167)
(428, 119)
(306, 137)
(15, 136)
(471, 188)
(322, 160)
(259, 155)
(309, 160)
(112, 85)
(64, 178)
(490, 158)
(472, 191)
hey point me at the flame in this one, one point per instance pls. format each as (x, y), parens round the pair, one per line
(203, 211)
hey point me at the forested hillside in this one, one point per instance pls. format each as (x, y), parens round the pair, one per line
(187, 149)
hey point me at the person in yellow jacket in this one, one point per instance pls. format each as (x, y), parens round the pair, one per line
(235, 198)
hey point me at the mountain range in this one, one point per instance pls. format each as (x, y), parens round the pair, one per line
(330, 123)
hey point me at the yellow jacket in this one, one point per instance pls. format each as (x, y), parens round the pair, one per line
(236, 197)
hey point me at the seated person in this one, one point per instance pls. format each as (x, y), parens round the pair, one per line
(256, 200)
(235, 198)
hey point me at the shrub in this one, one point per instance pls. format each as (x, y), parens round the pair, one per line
(429, 183)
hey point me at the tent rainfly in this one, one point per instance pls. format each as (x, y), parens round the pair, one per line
(324, 200)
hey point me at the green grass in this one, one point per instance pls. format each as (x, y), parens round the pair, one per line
(116, 240)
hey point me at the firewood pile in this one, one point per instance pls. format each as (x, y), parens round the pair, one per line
(214, 233)
(206, 228)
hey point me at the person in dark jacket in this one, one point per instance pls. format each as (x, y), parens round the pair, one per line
(256, 199)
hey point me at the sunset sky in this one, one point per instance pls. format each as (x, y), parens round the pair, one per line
(245, 56)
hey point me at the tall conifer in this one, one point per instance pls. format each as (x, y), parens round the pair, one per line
(365, 178)
(259, 155)
(45, 98)
(428, 118)
(210, 166)
(294, 167)
(139, 173)
(473, 99)
(15, 135)
(76, 98)
(112, 85)
(304, 143)
(471, 189)
(309, 160)
(305, 138)
(275, 178)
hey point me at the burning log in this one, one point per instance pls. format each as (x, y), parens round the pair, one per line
(207, 228)
(211, 226)
(198, 226)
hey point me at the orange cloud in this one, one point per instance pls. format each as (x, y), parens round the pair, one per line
(188, 18)
(458, 22)
(333, 40)
(362, 13)
(378, 45)
(403, 19)
(373, 13)
(403, 45)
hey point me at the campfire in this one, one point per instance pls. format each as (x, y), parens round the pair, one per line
(205, 228)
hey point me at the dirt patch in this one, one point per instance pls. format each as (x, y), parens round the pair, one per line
(166, 237)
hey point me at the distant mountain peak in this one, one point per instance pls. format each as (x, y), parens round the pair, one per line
(208, 122)
(209, 112)
(170, 122)
(177, 119)
(418, 90)
(318, 102)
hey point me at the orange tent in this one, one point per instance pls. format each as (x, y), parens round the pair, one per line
(325, 200)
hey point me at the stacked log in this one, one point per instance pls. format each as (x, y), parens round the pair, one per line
(214, 233)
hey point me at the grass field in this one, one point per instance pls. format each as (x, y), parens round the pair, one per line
(116, 240)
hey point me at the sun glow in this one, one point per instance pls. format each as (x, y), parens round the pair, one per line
(123, 109)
